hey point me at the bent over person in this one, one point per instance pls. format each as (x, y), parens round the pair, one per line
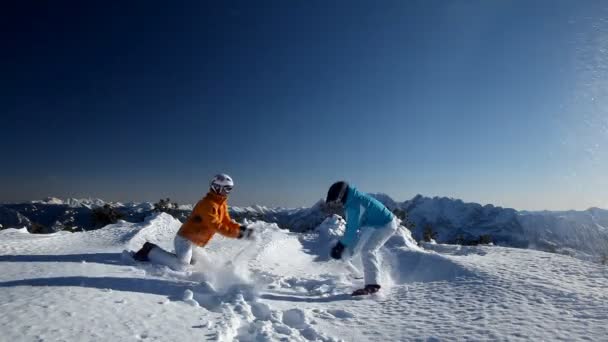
(365, 216)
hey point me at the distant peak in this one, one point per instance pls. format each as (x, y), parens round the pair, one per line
(52, 200)
(592, 209)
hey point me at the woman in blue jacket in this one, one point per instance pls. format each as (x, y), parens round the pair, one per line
(364, 214)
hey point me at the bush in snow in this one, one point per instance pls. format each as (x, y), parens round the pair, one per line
(65, 226)
(165, 206)
(485, 239)
(428, 234)
(171, 208)
(400, 213)
(460, 240)
(105, 215)
(405, 219)
(37, 228)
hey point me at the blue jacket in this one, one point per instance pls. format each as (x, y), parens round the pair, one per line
(362, 210)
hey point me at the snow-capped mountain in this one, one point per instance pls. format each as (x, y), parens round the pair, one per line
(54, 214)
(568, 232)
(454, 220)
(580, 233)
(73, 202)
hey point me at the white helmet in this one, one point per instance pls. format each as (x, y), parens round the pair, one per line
(221, 184)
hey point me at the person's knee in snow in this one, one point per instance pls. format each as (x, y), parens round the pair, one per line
(144, 251)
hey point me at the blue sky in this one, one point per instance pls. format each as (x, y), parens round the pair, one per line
(490, 101)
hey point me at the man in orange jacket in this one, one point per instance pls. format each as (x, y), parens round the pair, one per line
(209, 216)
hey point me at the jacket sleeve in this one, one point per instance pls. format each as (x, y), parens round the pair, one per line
(227, 219)
(211, 214)
(352, 225)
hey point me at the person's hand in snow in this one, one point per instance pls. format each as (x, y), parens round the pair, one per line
(246, 233)
(336, 251)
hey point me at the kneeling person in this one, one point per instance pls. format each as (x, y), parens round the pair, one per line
(209, 216)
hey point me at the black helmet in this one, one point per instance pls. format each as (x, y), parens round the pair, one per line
(337, 192)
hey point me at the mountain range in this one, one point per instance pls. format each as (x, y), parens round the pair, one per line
(583, 234)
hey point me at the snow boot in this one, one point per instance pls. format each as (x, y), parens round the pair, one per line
(367, 290)
(142, 254)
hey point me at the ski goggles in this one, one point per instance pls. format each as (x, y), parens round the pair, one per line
(221, 189)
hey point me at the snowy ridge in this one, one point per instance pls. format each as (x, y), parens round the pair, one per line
(73, 202)
(92, 203)
(451, 218)
(283, 286)
(583, 234)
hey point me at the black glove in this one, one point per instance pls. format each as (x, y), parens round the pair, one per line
(336, 252)
(245, 232)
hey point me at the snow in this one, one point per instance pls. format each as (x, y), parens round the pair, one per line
(283, 286)
(185, 207)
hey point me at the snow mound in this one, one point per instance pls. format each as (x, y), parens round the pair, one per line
(415, 266)
(332, 228)
(9, 231)
(159, 228)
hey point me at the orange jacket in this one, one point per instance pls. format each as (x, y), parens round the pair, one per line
(209, 216)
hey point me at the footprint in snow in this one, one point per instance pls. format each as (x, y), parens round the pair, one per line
(340, 314)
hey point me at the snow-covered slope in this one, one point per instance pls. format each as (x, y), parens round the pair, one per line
(282, 286)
